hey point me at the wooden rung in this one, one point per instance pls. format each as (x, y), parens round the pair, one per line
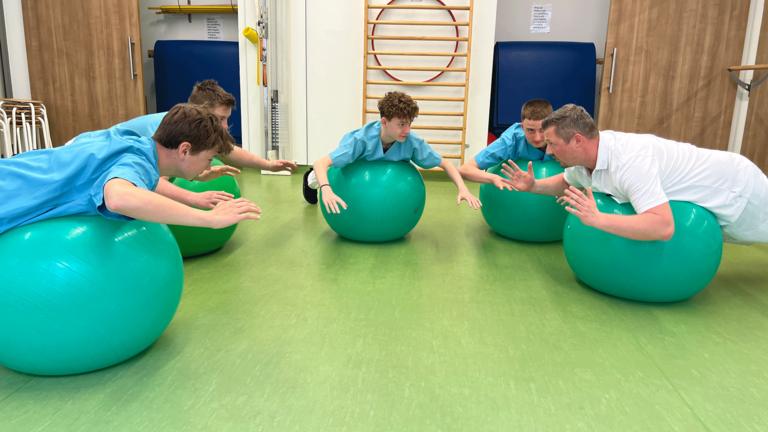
(748, 67)
(435, 23)
(450, 156)
(427, 113)
(418, 38)
(452, 128)
(415, 68)
(417, 83)
(424, 98)
(443, 142)
(418, 7)
(437, 113)
(416, 53)
(431, 169)
(20, 100)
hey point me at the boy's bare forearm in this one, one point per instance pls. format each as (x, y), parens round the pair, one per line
(471, 171)
(123, 197)
(321, 169)
(171, 191)
(453, 173)
(244, 158)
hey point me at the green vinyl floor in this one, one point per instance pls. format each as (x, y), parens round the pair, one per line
(290, 328)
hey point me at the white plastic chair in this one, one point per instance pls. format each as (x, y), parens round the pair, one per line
(5, 145)
(26, 131)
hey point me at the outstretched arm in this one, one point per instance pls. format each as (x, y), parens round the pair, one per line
(203, 200)
(330, 199)
(464, 193)
(249, 160)
(123, 197)
(655, 223)
(472, 172)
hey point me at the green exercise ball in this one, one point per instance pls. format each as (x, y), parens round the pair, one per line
(522, 215)
(385, 200)
(194, 241)
(648, 271)
(81, 293)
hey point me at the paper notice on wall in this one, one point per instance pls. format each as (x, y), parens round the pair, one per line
(541, 15)
(214, 28)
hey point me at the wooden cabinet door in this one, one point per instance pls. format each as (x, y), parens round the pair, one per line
(754, 145)
(669, 73)
(81, 65)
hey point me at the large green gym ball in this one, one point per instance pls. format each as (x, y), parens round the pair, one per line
(194, 241)
(649, 271)
(522, 215)
(81, 293)
(385, 200)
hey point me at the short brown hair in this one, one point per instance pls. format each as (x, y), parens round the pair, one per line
(536, 109)
(398, 105)
(569, 121)
(195, 124)
(209, 93)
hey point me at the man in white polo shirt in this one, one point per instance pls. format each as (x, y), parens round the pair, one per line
(648, 172)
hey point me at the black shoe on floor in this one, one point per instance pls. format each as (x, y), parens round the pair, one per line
(309, 194)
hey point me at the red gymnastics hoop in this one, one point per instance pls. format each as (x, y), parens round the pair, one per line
(373, 44)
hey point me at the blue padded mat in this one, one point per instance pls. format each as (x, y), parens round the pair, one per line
(180, 64)
(560, 72)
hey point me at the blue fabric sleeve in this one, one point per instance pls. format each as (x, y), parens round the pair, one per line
(130, 167)
(501, 150)
(424, 156)
(145, 126)
(350, 149)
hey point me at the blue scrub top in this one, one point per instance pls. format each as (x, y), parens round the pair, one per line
(365, 143)
(69, 180)
(510, 145)
(145, 125)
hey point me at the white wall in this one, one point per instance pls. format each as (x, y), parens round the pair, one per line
(572, 21)
(17, 49)
(156, 27)
(251, 93)
(334, 50)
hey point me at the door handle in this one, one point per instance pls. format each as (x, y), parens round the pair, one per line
(613, 69)
(130, 56)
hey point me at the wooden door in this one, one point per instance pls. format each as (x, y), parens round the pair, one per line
(80, 63)
(669, 75)
(755, 142)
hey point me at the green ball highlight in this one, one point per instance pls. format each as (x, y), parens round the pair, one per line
(81, 293)
(648, 271)
(194, 241)
(385, 200)
(522, 215)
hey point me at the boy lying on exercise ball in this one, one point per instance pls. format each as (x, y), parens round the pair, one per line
(387, 139)
(115, 172)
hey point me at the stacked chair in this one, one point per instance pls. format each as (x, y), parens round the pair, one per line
(23, 127)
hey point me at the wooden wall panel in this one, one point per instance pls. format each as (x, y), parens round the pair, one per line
(670, 77)
(78, 57)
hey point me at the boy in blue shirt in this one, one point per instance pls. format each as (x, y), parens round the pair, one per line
(115, 172)
(522, 140)
(387, 139)
(210, 94)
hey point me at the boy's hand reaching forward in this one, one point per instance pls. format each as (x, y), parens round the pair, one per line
(466, 195)
(332, 201)
(231, 212)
